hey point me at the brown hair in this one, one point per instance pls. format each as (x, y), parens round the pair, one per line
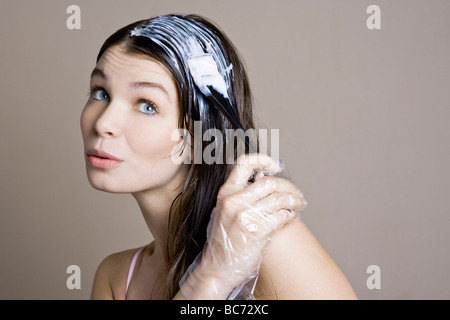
(190, 211)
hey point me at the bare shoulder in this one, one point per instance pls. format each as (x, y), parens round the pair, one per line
(296, 266)
(110, 277)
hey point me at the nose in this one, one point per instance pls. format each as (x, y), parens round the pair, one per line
(110, 121)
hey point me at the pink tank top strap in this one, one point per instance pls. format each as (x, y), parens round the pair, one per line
(132, 266)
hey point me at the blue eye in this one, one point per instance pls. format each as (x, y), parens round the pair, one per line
(147, 107)
(99, 94)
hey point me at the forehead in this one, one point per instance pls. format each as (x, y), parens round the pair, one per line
(119, 65)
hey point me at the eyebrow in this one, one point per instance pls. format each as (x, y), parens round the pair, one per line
(146, 84)
(135, 84)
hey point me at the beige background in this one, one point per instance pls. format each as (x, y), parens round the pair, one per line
(363, 118)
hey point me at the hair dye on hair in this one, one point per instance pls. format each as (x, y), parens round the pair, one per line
(201, 56)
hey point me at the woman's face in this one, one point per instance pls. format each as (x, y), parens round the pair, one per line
(132, 111)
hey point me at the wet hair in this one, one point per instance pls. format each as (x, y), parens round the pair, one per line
(190, 211)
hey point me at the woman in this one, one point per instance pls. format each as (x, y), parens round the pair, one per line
(221, 230)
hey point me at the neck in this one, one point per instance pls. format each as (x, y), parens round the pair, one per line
(155, 207)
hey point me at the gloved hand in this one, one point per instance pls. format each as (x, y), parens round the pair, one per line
(245, 216)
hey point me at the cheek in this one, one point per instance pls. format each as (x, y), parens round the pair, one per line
(151, 143)
(152, 150)
(86, 121)
(154, 166)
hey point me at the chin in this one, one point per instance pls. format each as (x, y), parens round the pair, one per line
(106, 184)
(107, 188)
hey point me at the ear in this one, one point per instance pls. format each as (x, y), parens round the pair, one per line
(182, 152)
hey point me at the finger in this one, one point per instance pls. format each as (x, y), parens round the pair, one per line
(259, 225)
(251, 195)
(259, 175)
(268, 185)
(247, 164)
(277, 201)
(281, 217)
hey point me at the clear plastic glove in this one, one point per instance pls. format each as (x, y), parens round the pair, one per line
(245, 216)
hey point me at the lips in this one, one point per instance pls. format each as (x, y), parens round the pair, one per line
(102, 159)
